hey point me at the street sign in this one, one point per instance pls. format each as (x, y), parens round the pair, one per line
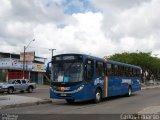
(29, 56)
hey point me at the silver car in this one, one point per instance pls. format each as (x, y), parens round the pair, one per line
(17, 85)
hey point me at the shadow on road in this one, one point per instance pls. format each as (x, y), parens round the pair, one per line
(91, 102)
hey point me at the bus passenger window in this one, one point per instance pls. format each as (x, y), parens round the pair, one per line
(99, 69)
(115, 70)
(120, 70)
(134, 73)
(138, 73)
(126, 72)
(130, 72)
(89, 70)
(109, 69)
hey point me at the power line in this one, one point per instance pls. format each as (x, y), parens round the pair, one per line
(40, 47)
(33, 47)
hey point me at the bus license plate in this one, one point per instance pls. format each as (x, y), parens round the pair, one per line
(63, 94)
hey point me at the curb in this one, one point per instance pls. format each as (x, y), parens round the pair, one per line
(44, 101)
(150, 87)
(150, 110)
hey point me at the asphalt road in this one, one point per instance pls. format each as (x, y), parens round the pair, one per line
(115, 105)
(38, 93)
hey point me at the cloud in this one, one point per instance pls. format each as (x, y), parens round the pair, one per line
(84, 36)
(117, 5)
(36, 11)
(82, 26)
(19, 19)
(133, 23)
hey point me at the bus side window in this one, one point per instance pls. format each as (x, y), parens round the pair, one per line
(131, 72)
(134, 73)
(120, 69)
(112, 70)
(89, 70)
(99, 69)
(115, 70)
(109, 69)
(138, 73)
(126, 72)
(123, 71)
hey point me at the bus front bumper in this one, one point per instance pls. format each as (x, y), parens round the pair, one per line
(78, 94)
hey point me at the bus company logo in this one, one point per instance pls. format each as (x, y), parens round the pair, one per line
(126, 81)
(98, 81)
(63, 88)
(66, 88)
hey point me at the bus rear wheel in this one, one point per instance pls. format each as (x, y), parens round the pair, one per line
(129, 92)
(98, 96)
(70, 101)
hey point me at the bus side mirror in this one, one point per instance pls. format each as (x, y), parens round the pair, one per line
(48, 68)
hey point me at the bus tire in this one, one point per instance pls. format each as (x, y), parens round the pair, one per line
(70, 101)
(98, 96)
(129, 91)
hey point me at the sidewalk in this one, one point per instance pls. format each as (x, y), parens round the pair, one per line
(150, 87)
(9, 101)
(42, 86)
(151, 109)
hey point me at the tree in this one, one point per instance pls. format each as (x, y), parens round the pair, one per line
(149, 64)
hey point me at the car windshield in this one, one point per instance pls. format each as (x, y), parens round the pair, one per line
(11, 81)
(67, 71)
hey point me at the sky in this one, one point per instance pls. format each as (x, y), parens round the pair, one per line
(95, 27)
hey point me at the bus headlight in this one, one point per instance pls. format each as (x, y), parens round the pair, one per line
(51, 89)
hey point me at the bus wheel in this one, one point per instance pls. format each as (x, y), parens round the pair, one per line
(98, 96)
(129, 92)
(70, 101)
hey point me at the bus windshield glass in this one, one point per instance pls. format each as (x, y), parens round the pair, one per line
(67, 71)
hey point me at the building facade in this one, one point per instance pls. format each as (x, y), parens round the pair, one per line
(11, 67)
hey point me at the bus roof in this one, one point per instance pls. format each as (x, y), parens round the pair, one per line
(102, 59)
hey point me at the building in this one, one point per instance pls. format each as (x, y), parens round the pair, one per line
(12, 68)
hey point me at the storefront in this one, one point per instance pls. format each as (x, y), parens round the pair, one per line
(12, 68)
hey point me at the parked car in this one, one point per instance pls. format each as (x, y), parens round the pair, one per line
(150, 82)
(17, 85)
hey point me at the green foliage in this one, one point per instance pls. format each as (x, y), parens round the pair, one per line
(149, 64)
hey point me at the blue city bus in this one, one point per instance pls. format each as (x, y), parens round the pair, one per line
(79, 77)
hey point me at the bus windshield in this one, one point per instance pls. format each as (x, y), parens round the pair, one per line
(67, 71)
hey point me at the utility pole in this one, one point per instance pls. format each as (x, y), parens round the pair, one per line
(24, 62)
(52, 50)
(25, 47)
